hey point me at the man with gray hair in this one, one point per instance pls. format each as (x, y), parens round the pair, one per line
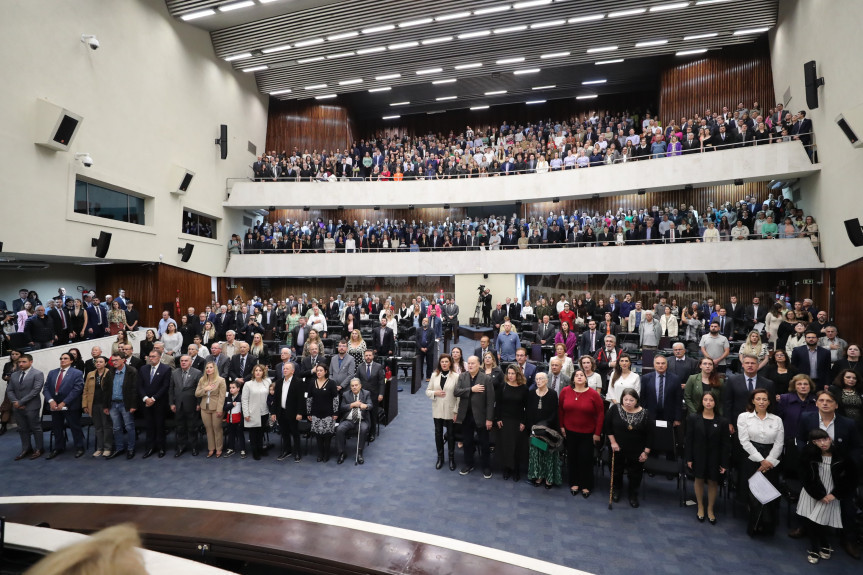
(354, 413)
(223, 364)
(650, 332)
(39, 330)
(184, 404)
(231, 345)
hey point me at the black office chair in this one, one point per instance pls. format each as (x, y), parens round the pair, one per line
(407, 351)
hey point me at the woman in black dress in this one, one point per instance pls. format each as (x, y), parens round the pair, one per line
(490, 368)
(322, 407)
(509, 413)
(779, 370)
(77, 322)
(187, 331)
(147, 344)
(707, 449)
(629, 428)
(543, 465)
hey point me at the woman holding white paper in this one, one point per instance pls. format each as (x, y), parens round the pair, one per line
(762, 437)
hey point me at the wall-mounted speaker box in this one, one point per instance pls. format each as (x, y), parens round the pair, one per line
(186, 252)
(222, 141)
(855, 232)
(55, 127)
(179, 179)
(851, 124)
(102, 243)
(812, 81)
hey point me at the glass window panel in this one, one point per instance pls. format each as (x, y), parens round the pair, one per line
(80, 197)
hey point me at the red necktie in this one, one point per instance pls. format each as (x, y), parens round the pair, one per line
(59, 381)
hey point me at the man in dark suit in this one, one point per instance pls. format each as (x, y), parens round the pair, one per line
(289, 407)
(97, 320)
(802, 359)
(739, 387)
(744, 138)
(121, 405)
(268, 321)
(475, 414)
(198, 362)
(671, 235)
(545, 332)
(450, 317)
(590, 340)
(241, 365)
(332, 309)
(485, 297)
(223, 321)
(736, 311)
(60, 317)
(528, 369)
(223, 364)
(426, 349)
(18, 304)
(691, 144)
(241, 318)
(300, 334)
(372, 378)
(129, 357)
(24, 391)
(184, 404)
(662, 393)
(310, 362)
(63, 390)
(802, 130)
(681, 365)
(354, 411)
(384, 340)
(153, 382)
(497, 317)
(755, 313)
(484, 347)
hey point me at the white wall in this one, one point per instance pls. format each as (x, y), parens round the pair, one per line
(827, 31)
(700, 170)
(45, 282)
(152, 98)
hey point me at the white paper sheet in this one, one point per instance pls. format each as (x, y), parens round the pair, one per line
(762, 489)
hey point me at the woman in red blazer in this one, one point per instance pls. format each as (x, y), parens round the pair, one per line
(581, 415)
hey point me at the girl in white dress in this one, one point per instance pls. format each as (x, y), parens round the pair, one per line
(623, 377)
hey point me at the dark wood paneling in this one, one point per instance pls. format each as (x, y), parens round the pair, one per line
(193, 289)
(307, 125)
(848, 311)
(723, 78)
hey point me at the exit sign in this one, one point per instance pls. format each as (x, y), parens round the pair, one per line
(808, 282)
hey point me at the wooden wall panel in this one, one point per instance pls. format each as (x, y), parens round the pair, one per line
(848, 311)
(195, 290)
(307, 125)
(723, 78)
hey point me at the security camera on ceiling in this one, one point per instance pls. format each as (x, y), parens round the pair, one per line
(90, 40)
(85, 159)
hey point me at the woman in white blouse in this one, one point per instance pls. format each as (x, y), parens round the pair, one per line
(172, 340)
(762, 437)
(568, 368)
(255, 412)
(711, 234)
(541, 165)
(623, 377)
(588, 364)
(668, 323)
(441, 390)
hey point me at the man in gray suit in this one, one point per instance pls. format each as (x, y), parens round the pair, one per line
(24, 390)
(223, 364)
(450, 316)
(184, 404)
(354, 410)
(371, 376)
(475, 413)
(342, 367)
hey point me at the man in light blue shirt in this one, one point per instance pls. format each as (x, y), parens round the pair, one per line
(507, 343)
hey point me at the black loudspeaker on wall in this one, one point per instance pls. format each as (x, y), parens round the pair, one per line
(812, 83)
(222, 141)
(102, 243)
(186, 252)
(855, 232)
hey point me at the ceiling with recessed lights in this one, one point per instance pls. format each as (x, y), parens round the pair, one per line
(396, 57)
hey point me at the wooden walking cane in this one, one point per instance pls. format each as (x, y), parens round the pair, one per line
(611, 486)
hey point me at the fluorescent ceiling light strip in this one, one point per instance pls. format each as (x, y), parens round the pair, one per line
(495, 92)
(601, 49)
(399, 103)
(591, 18)
(691, 52)
(391, 117)
(443, 98)
(706, 2)
(401, 45)
(375, 29)
(350, 82)
(388, 76)
(371, 50)
(615, 61)
(650, 43)
(325, 97)
(340, 55)
(484, 107)
(276, 49)
(666, 7)
(492, 10)
(530, 4)
(196, 15)
(238, 57)
(510, 60)
(591, 82)
(236, 6)
(751, 31)
(425, 71)
(309, 60)
(529, 102)
(477, 34)
(548, 87)
(311, 42)
(453, 16)
(509, 29)
(555, 55)
(277, 92)
(383, 89)
(449, 81)
(436, 40)
(700, 36)
(315, 87)
(419, 22)
(590, 97)
(526, 71)
(547, 24)
(622, 13)
(342, 36)
(468, 66)
(255, 68)
(268, 1)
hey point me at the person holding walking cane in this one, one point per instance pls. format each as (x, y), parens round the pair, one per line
(629, 428)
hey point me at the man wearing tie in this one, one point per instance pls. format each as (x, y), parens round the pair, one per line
(289, 408)
(726, 324)
(354, 411)
(241, 365)
(153, 382)
(739, 387)
(590, 340)
(60, 318)
(181, 397)
(661, 392)
(24, 391)
(671, 235)
(97, 320)
(450, 314)
(384, 340)
(545, 335)
(371, 376)
(63, 390)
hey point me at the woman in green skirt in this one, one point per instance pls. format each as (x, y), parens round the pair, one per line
(543, 464)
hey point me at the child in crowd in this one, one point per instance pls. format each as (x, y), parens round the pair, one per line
(234, 416)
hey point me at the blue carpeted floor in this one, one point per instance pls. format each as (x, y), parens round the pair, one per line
(399, 486)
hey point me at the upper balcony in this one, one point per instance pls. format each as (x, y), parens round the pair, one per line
(766, 162)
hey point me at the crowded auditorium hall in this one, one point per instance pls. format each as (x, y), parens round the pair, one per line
(289, 250)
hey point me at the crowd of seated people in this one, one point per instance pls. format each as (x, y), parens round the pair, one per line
(590, 140)
(244, 366)
(747, 219)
